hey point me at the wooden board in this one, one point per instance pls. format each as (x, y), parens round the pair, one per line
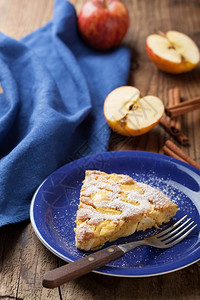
(23, 259)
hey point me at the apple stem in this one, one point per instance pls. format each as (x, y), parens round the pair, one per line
(104, 3)
(164, 35)
(160, 33)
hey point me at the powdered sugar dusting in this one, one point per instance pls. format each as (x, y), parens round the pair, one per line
(154, 196)
(158, 183)
(127, 203)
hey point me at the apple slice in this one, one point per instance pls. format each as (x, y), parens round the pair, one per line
(130, 115)
(173, 52)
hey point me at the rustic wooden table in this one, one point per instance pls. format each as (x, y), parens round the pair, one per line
(23, 259)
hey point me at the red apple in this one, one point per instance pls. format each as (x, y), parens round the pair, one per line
(103, 23)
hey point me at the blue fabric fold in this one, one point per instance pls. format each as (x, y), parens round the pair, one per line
(51, 108)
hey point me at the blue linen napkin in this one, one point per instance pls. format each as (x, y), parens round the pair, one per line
(51, 108)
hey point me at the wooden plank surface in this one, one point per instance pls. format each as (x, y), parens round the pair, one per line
(23, 258)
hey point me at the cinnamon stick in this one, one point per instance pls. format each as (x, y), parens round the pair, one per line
(174, 98)
(169, 152)
(180, 136)
(183, 107)
(173, 125)
(171, 149)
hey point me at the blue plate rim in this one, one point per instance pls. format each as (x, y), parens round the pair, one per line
(107, 270)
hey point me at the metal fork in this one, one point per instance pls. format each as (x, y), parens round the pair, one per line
(164, 239)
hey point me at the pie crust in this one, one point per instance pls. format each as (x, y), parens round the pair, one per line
(115, 205)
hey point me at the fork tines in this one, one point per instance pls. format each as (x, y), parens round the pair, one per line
(177, 232)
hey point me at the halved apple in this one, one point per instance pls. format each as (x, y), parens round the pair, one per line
(173, 52)
(130, 115)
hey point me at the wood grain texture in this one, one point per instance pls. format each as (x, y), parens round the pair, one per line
(23, 259)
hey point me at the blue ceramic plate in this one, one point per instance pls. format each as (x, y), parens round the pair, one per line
(54, 206)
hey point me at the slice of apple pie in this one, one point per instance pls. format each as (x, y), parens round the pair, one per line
(113, 206)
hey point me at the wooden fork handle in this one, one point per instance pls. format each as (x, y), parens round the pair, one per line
(81, 266)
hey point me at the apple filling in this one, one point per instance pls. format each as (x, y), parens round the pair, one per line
(113, 206)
